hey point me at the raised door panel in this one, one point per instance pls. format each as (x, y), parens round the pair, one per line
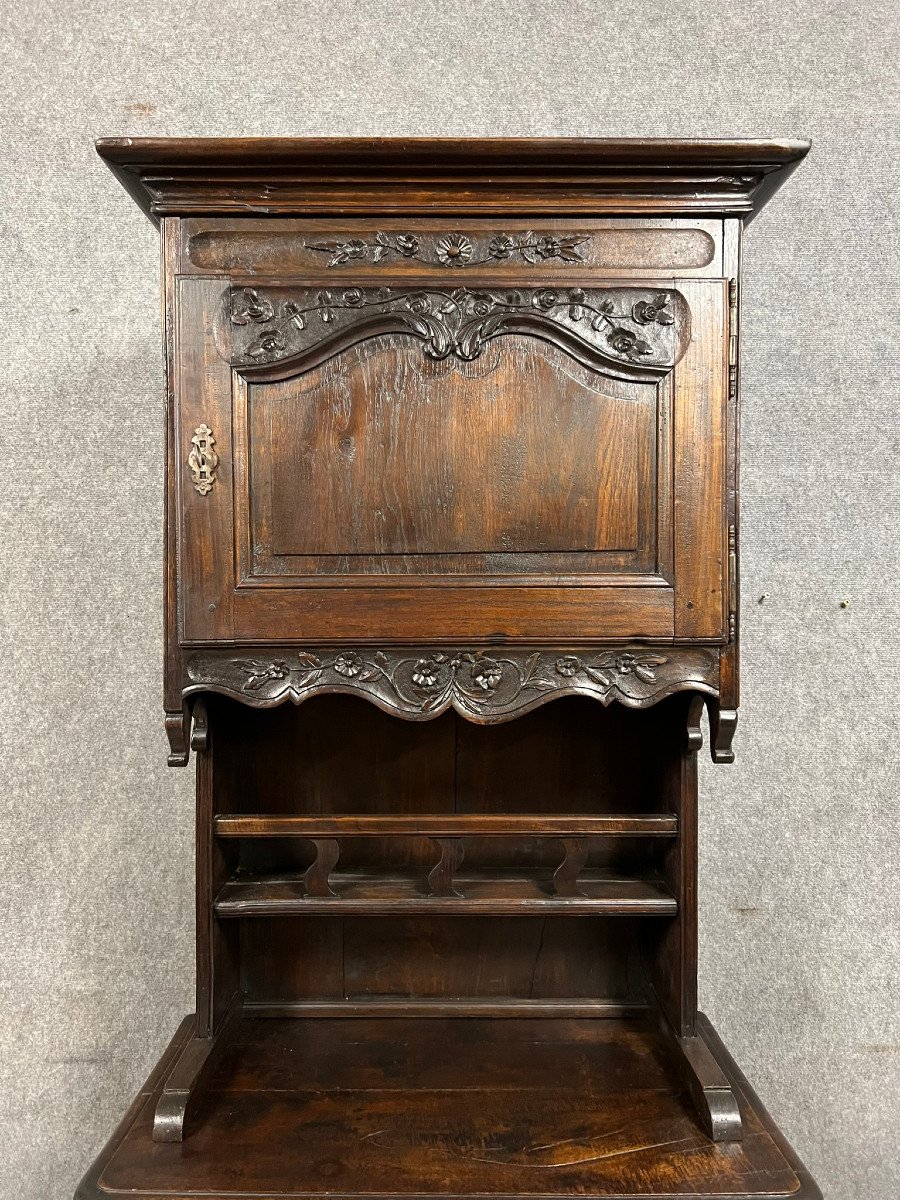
(382, 462)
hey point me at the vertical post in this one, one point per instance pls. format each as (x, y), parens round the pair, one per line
(218, 998)
(673, 959)
(217, 956)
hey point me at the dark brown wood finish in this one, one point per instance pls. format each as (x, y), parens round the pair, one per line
(273, 176)
(452, 430)
(553, 1107)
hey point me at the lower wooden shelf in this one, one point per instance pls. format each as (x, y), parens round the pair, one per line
(412, 1108)
(359, 892)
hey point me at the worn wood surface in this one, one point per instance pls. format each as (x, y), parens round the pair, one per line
(333, 251)
(455, 891)
(269, 176)
(428, 825)
(376, 454)
(364, 1107)
(452, 428)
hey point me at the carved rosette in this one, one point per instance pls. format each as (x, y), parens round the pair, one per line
(483, 685)
(633, 330)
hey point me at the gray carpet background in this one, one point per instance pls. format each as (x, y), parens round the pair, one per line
(800, 899)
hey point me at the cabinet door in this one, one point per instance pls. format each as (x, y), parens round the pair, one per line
(444, 461)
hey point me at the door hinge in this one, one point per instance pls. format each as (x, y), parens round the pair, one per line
(732, 582)
(732, 338)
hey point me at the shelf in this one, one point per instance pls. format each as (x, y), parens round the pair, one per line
(262, 825)
(407, 1108)
(494, 1007)
(359, 892)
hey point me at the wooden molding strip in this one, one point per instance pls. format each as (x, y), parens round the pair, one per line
(452, 825)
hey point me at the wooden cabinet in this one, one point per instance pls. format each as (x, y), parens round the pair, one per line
(451, 573)
(480, 433)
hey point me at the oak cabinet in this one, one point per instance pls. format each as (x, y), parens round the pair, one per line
(451, 575)
(439, 435)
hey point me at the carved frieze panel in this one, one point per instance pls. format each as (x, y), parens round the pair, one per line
(452, 249)
(628, 330)
(483, 685)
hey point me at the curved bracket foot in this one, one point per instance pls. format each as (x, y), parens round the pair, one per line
(185, 1081)
(708, 1085)
(187, 731)
(722, 724)
(176, 731)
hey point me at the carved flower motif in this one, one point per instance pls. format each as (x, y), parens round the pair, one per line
(258, 676)
(652, 312)
(547, 247)
(425, 673)
(502, 246)
(623, 341)
(642, 665)
(419, 302)
(486, 674)
(268, 343)
(348, 664)
(453, 250)
(407, 244)
(481, 304)
(248, 305)
(568, 665)
(546, 299)
(577, 298)
(344, 251)
(353, 297)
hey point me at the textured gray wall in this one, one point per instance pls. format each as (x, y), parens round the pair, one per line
(799, 853)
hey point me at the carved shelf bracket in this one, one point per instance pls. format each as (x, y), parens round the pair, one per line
(203, 459)
(483, 685)
(722, 727)
(186, 1081)
(452, 249)
(317, 876)
(565, 877)
(707, 1083)
(177, 724)
(440, 877)
(200, 727)
(643, 329)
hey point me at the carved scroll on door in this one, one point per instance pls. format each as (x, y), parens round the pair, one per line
(625, 331)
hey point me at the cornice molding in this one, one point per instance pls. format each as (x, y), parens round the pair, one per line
(285, 176)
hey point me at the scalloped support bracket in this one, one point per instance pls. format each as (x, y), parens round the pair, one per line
(709, 1087)
(187, 730)
(722, 724)
(177, 727)
(191, 1071)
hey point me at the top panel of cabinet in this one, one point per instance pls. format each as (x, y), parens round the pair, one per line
(489, 176)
